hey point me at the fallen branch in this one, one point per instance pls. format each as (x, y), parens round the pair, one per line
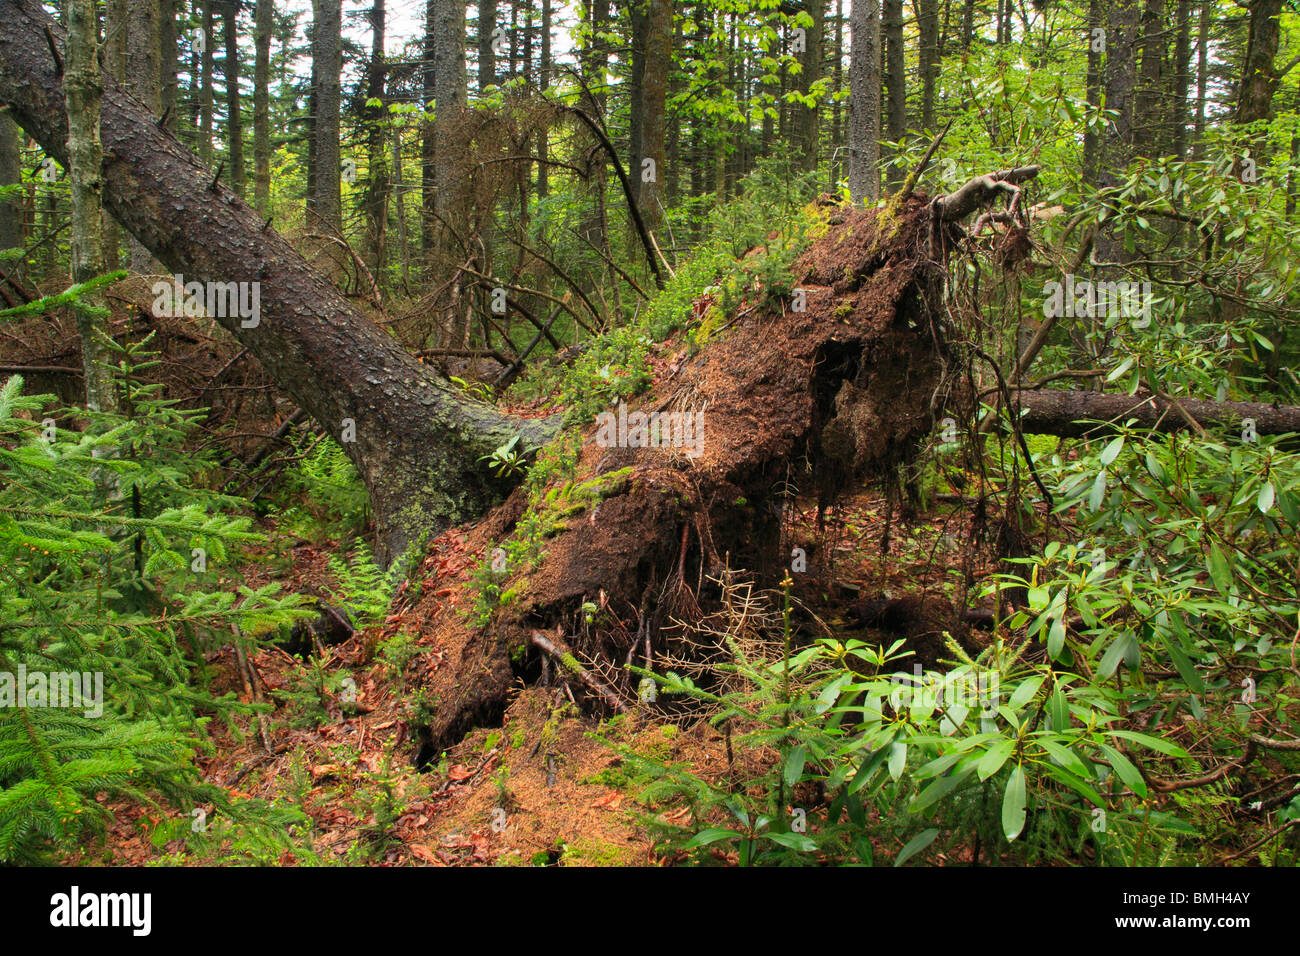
(570, 663)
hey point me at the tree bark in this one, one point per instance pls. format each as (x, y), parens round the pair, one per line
(327, 64)
(864, 101)
(418, 439)
(654, 99)
(1149, 98)
(1118, 78)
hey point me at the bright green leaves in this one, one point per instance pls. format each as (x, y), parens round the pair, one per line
(1013, 804)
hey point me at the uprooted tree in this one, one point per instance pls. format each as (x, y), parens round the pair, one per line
(805, 400)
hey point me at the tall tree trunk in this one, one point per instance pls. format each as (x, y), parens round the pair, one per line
(811, 60)
(450, 187)
(927, 23)
(967, 25)
(1093, 84)
(428, 138)
(168, 67)
(142, 80)
(544, 81)
(11, 210)
(1202, 78)
(327, 64)
(487, 65)
(263, 18)
(864, 102)
(837, 118)
(1258, 76)
(1182, 79)
(1118, 78)
(399, 195)
(82, 87)
(654, 118)
(594, 59)
(234, 115)
(114, 56)
(1147, 110)
(375, 202)
(451, 96)
(205, 83)
(895, 80)
(415, 438)
(640, 25)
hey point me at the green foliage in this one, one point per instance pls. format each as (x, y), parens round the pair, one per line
(109, 559)
(327, 495)
(362, 587)
(999, 752)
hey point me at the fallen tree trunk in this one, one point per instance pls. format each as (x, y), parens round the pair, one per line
(1074, 414)
(414, 437)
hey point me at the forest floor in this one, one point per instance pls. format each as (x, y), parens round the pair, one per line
(544, 786)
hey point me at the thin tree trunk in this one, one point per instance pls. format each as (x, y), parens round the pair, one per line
(399, 195)
(1091, 140)
(375, 202)
(895, 80)
(114, 56)
(11, 211)
(205, 83)
(487, 67)
(234, 116)
(264, 23)
(1202, 78)
(168, 67)
(1182, 79)
(544, 81)
(82, 87)
(813, 56)
(142, 76)
(837, 118)
(927, 22)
